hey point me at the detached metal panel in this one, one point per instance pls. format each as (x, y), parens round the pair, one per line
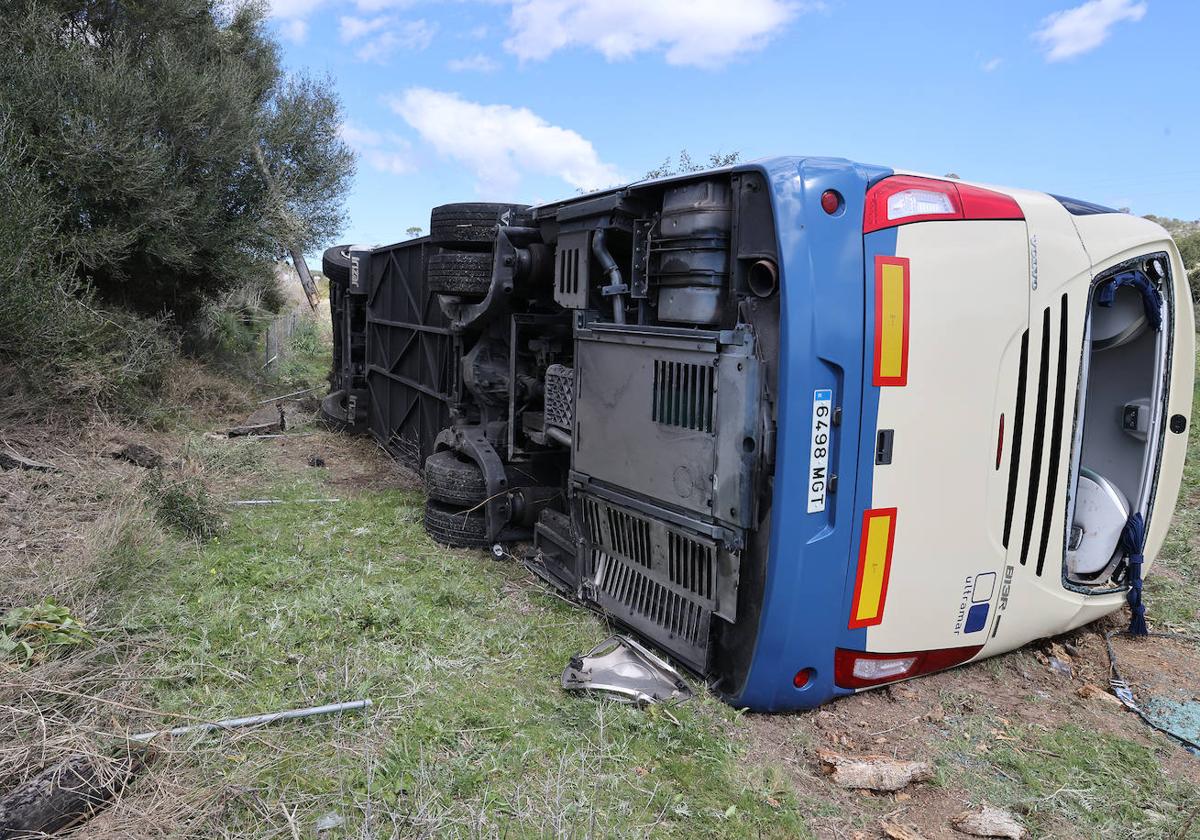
(412, 362)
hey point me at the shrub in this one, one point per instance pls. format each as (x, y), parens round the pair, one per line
(185, 505)
(63, 345)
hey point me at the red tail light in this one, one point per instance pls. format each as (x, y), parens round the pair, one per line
(859, 669)
(903, 199)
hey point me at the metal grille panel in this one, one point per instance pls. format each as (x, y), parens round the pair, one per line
(683, 395)
(658, 578)
(560, 397)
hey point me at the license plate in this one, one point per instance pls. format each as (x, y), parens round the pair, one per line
(818, 462)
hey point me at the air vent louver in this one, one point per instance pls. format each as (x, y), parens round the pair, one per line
(683, 395)
(657, 578)
(1045, 436)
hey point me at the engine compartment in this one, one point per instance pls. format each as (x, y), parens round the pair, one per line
(594, 379)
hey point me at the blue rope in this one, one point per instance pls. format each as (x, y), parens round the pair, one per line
(1133, 542)
(1152, 299)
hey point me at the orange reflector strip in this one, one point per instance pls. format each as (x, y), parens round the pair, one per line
(874, 567)
(891, 321)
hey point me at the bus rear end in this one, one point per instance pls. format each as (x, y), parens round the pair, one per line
(1008, 377)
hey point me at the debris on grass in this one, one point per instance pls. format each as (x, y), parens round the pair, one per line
(10, 460)
(255, 720)
(36, 632)
(264, 421)
(67, 794)
(139, 455)
(330, 821)
(626, 670)
(873, 772)
(900, 831)
(248, 502)
(987, 821)
(1091, 691)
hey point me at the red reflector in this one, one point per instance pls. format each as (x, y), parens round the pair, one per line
(802, 677)
(978, 203)
(831, 201)
(859, 669)
(1000, 442)
(904, 199)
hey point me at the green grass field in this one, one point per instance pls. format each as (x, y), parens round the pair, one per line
(296, 604)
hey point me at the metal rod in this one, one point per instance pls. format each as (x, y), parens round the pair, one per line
(293, 394)
(281, 501)
(559, 436)
(256, 720)
(270, 437)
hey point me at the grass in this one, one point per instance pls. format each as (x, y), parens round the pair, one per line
(304, 356)
(1068, 781)
(296, 605)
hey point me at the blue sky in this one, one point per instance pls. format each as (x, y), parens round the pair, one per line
(530, 100)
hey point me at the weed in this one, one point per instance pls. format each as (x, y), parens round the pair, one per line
(306, 355)
(38, 632)
(185, 505)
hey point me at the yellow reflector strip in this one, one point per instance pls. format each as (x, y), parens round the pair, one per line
(891, 321)
(874, 567)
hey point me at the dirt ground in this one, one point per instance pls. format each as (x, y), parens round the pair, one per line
(923, 719)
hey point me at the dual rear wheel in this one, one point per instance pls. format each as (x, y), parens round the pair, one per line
(466, 235)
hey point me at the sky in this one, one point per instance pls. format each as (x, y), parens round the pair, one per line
(535, 100)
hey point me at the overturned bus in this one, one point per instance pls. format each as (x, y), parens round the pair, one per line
(809, 426)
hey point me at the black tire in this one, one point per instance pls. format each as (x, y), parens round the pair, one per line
(454, 526)
(458, 273)
(467, 227)
(335, 264)
(454, 478)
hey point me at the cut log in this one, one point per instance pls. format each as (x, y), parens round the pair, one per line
(873, 772)
(10, 460)
(989, 822)
(265, 421)
(66, 794)
(900, 831)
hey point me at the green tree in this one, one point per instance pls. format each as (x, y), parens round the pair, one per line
(684, 164)
(143, 121)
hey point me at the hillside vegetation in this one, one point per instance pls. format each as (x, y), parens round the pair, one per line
(135, 218)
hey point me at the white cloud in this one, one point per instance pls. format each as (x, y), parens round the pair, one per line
(478, 63)
(991, 65)
(293, 8)
(298, 9)
(295, 30)
(691, 32)
(350, 28)
(379, 5)
(500, 143)
(385, 153)
(384, 35)
(1075, 31)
